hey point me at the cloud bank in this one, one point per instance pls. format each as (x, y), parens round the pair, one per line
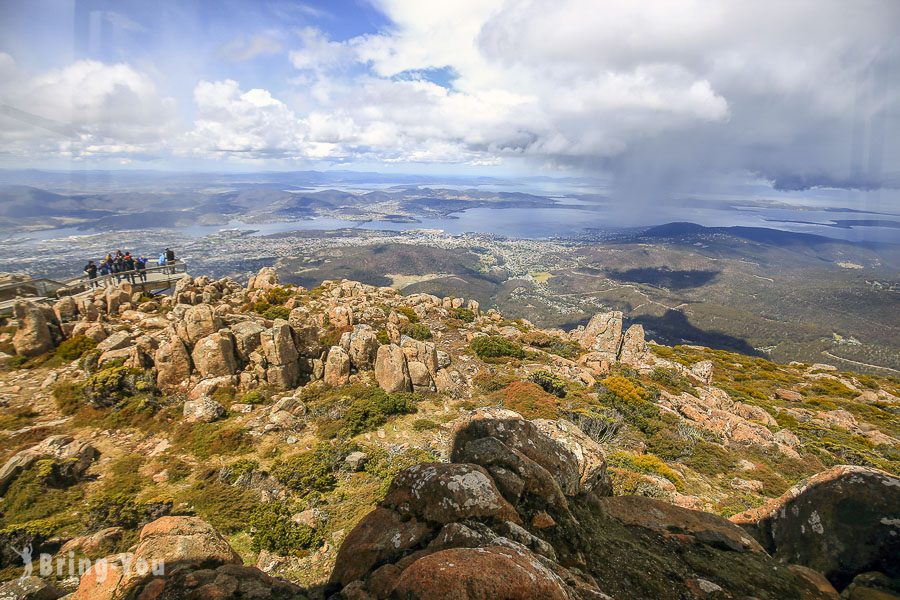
(801, 93)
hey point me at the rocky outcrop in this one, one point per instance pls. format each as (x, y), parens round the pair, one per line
(603, 334)
(363, 348)
(198, 563)
(33, 335)
(634, 349)
(521, 515)
(265, 279)
(391, 370)
(72, 458)
(280, 353)
(337, 367)
(173, 364)
(204, 410)
(841, 522)
(214, 356)
(197, 323)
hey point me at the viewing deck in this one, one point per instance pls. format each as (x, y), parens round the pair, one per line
(45, 290)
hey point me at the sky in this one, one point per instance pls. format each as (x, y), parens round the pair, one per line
(652, 94)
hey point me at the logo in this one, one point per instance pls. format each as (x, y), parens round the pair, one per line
(66, 566)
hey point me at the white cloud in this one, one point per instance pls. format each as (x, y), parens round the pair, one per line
(318, 53)
(84, 109)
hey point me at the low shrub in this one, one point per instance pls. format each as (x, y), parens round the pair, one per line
(211, 439)
(463, 314)
(495, 346)
(277, 312)
(529, 400)
(409, 313)
(370, 413)
(416, 331)
(424, 425)
(552, 344)
(383, 337)
(313, 471)
(647, 464)
(550, 383)
(274, 531)
(492, 382)
(75, 347)
(68, 396)
(254, 397)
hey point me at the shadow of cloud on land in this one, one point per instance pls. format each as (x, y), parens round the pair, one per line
(664, 277)
(674, 328)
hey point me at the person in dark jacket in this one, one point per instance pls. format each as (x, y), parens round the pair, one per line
(128, 267)
(141, 265)
(91, 270)
(170, 259)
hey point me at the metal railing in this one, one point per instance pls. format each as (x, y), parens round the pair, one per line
(148, 277)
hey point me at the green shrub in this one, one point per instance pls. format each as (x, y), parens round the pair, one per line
(409, 313)
(368, 414)
(671, 379)
(646, 464)
(463, 314)
(224, 395)
(239, 468)
(278, 295)
(424, 425)
(277, 312)
(110, 385)
(312, 471)
(68, 396)
(552, 384)
(273, 530)
(552, 344)
(417, 331)
(254, 397)
(829, 387)
(210, 439)
(75, 347)
(495, 346)
(383, 337)
(222, 505)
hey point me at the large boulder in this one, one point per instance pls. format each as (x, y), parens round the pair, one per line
(500, 526)
(246, 338)
(634, 349)
(524, 438)
(267, 278)
(203, 410)
(603, 334)
(173, 364)
(391, 370)
(66, 309)
(198, 322)
(443, 493)
(214, 355)
(363, 348)
(481, 574)
(841, 522)
(198, 563)
(281, 355)
(337, 367)
(33, 334)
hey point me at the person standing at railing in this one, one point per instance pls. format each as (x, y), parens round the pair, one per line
(91, 270)
(141, 265)
(128, 265)
(170, 259)
(118, 267)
